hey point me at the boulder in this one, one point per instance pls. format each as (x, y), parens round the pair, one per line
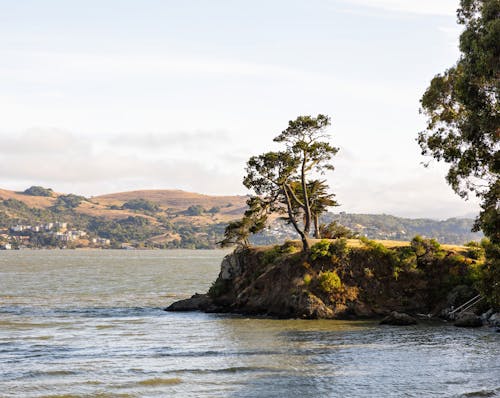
(198, 302)
(469, 320)
(398, 319)
(494, 319)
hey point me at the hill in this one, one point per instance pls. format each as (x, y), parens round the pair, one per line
(175, 218)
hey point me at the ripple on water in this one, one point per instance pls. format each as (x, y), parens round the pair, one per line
(159, 381)
(481, 393)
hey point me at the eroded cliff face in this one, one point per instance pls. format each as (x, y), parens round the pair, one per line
(340, 283)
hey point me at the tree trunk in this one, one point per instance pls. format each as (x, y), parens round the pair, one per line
(317, 234)
(303, 236)
(307, 206)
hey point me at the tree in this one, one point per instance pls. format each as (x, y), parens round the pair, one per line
(254, 220)
(37, 190)
(462, 106)
(281, 179)
(463, 110)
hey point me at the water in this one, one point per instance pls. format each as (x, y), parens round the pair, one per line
(91, 324)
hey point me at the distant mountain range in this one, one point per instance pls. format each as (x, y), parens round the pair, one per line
(175, 219)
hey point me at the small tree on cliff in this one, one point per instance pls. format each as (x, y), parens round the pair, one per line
(281, 181)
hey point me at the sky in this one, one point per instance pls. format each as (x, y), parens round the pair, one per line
(117, 95)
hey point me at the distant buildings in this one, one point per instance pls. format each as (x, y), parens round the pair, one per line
(21, 233)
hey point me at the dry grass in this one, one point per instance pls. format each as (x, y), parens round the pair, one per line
(39, 202)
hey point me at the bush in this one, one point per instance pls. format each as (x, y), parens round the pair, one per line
(336, 250)
(141, 204)
(195, 210)
(36, 190)
(67, 202)
(307, 279)
(475, 250)
(423, 247)
(329, 281)
(218, 288)
(335, 230)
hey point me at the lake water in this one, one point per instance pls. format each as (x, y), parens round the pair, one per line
(91, 324)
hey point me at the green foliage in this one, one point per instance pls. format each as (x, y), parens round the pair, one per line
(141, 204)
(489, 274)
(462, 108)
(214, 210)
(253, 221)
(334, 230)
(475, 250)
(195, 210)
(423, 247)
(329, 281)
(124, 230)
(307, 279)
(219, 287)
(36, 190)
(65, 202)
(336, 250)
(320, 249)
(281, 179)
(272, 255)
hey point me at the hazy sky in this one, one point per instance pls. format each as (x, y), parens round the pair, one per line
(115, 95)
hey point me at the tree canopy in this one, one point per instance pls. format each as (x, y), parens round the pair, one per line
(462, 106)
(463, 112)
(282, 183)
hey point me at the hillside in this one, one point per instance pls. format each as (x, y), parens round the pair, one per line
(174, 218)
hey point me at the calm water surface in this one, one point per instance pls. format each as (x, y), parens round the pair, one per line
(91, 324)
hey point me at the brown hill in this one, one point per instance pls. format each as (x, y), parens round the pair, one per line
(39, 202)
(177, 200)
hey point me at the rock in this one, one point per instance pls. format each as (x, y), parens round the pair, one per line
(399, 319)
(198, 302)
(487, 315)
(494, 320)
(469, 320)
(362, 310)
(230, 267)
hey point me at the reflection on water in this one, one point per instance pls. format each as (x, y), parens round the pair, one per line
(91, 324)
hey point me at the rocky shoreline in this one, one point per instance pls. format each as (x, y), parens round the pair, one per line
(279, 282)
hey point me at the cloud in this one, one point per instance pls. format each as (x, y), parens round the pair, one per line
(89, 165)
(161, 141)
(428, 7)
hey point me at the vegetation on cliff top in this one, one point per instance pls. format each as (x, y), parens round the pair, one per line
(344, 278)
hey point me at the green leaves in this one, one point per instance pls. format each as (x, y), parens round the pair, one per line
(463, 110)
(281, 180)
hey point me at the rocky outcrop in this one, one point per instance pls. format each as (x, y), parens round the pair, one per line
(197, 302)
(362, 282)
(398, 319)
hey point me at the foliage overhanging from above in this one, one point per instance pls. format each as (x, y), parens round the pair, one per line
(462, 106)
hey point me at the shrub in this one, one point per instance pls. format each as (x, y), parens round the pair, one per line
(195, 210)
(329, 281)
(335, 230)
(307, 279)
(218, 288)
(336, 250)
(422, 246)
(320, 249)
(141, 204)
(475, 250)
(36, 190)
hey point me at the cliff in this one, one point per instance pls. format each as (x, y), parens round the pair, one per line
(339, 281)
